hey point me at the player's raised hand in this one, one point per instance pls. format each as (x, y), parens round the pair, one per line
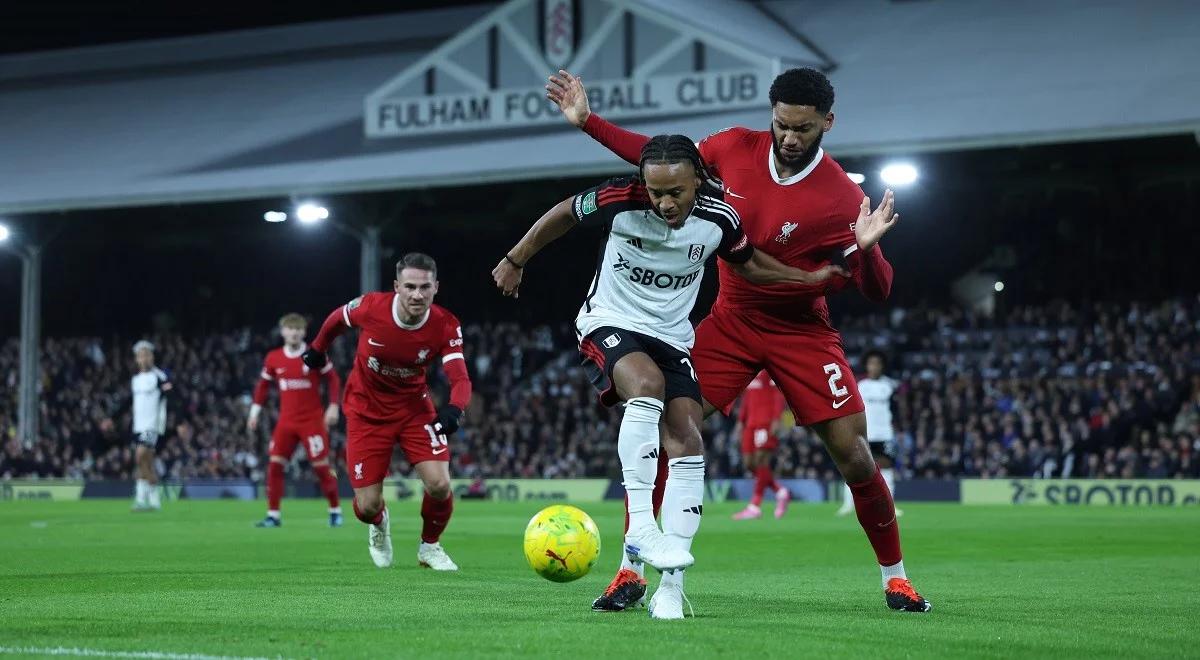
(331, 415)
(872, 225)
(507, 277)
(569, 94)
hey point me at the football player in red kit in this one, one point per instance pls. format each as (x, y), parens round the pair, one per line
(302, 418)
(758, 418)
(387, 401)
(798, 205)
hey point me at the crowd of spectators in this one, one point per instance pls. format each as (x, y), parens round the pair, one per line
(1052, 391)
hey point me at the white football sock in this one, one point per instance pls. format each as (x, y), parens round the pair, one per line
(683, 500)
(635, 566)
(273, 513)
(152, 492)
(889, 477)
(847, 497)
(637, 447)
(895, 571)
(140, 492)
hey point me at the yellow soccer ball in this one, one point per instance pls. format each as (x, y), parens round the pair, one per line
(561, 543)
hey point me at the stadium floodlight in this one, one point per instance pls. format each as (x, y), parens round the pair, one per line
(310, 213)
(856, 177)
(899, 174)
(274, 216)
(4, 233)
(998, 286)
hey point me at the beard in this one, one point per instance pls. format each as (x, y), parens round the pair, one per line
(797, 162)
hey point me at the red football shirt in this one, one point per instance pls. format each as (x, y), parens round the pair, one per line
(392, 358)
(299, 386)
(762, 404)
(803, 221)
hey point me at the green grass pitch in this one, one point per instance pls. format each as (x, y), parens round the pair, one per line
(197, 578)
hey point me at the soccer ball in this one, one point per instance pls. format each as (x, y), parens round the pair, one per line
(561, 543)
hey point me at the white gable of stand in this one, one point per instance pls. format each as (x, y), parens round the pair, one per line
(637, 59)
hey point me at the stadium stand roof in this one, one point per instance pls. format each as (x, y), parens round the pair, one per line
(280, 111)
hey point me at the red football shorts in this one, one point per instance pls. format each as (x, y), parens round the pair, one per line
(369, 442)
(805, 360)
(313, 435)
(758, 439)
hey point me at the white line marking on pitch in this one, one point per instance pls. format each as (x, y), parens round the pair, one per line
(100, 653)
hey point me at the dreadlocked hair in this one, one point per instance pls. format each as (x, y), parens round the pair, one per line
(673, 149)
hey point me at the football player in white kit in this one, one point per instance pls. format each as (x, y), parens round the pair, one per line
(876, 390)
(150, 387)
(635, 337)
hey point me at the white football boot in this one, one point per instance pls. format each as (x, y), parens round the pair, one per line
(379, 541)
(650, 545)
(432, 555)
(667, 601)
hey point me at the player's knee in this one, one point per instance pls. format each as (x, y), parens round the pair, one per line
(369, 504)
(683, 441)
(438, 488)
(857, 464)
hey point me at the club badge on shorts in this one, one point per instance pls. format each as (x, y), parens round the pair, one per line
(612, 340)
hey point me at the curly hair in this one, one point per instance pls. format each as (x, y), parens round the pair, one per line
(803, 86)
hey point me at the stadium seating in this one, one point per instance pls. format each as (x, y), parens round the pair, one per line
(1095, 391)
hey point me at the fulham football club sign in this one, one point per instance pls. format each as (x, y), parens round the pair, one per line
(635, 62)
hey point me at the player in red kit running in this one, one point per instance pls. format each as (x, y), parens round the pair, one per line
(798, 205)
(387, 401)
(302, 418)
(758, 417)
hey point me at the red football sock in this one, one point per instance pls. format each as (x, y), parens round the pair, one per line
(274, 485)
(328, 484)
(767, 476)
(759, 487)
(877, 515)
(660, 487)
(436, 514)
(370, 521)
(660, 482)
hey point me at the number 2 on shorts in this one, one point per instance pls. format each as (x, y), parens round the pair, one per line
(835, 374)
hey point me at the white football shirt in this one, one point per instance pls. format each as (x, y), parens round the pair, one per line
(648, 275)
(877, 397)
(149, 401)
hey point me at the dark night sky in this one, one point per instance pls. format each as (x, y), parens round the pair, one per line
(29, 25)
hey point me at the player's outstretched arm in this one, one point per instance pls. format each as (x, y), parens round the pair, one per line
(335, 324)
(762, 268)
(569, 94)
(549, 228)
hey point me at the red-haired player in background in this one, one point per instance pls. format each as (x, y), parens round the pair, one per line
(758, 418)
(387, 401)
(302, 418)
